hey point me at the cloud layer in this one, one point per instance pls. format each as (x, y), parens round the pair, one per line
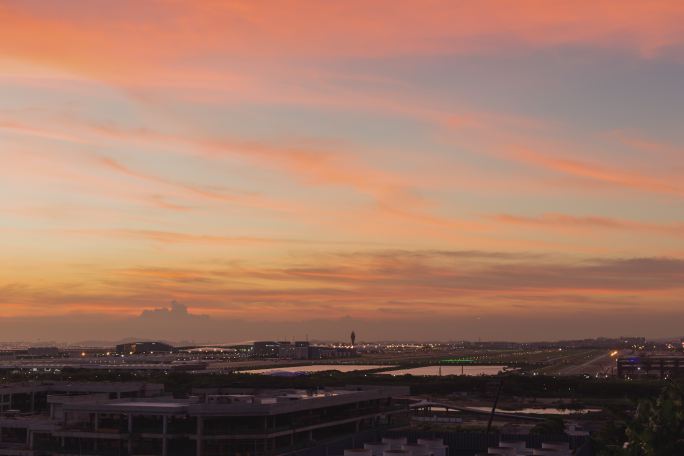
(269, 161)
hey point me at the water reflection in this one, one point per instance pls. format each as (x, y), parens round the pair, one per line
(448, 370)
(313, 369)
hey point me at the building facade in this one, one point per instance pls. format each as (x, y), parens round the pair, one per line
(136, 348)
(210, 423)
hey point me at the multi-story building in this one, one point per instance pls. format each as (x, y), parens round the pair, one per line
(265, 349)
(286, 350)
(319, 352)
(663, 366)
(135, 348)
(213, 422)
(30, 398)
(301, 350)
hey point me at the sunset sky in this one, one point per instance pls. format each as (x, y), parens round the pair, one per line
(431, 169)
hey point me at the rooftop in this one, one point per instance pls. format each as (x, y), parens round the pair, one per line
(267, 402)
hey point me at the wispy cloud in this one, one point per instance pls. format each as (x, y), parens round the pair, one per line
(594, 172)
(178, 238)
(571, 222)
(339, 162)
(152, 36)
(454, 282)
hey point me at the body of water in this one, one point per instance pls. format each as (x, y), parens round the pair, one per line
(312, 369)
(448, 370)
(540, 411)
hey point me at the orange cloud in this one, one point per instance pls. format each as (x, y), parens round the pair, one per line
(362, 284)
(21, 129)
(99, 42)
(595, 172)
(163, 55)
(186, 190)
(569, 222)
(178, 238)
(654, 149)
(311, 164)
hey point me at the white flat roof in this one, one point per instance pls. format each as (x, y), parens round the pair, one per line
(151, 404)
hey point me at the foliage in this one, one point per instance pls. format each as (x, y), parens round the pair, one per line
(658, 425)
(553, 425)
(592, 390)
(655, 429)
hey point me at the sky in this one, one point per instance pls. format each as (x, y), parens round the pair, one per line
(417, 169)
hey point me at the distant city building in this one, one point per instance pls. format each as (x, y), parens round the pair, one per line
(633, 342)
(319, 352)
(265, 349)
(286, 350)
(301, 350)
(42, 352)
(136, 348)
(243, 350)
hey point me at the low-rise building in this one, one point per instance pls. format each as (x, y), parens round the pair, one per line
(655, 365)
(100, 421)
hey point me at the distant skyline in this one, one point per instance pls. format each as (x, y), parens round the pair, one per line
(423, 170)
(179, 325)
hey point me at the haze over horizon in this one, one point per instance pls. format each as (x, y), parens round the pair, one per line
(179, 325)
(504, 170)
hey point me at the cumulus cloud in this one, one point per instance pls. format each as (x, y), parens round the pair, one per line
(176, 312)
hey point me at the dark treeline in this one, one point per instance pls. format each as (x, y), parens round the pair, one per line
(578, 388)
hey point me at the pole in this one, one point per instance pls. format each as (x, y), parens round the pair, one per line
(496, 401)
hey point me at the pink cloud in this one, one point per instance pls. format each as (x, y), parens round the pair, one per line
(99, 43)
(589, 223)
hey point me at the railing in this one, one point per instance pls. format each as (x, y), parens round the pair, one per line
(301, 422)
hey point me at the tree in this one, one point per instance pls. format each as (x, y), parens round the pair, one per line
(658, 425)
(655, 429)
(553, 425)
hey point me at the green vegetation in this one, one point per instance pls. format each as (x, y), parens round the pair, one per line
(656, 428)
(552, 425)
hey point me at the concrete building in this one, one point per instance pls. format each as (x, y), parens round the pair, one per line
(322, 352)
(136, 348)
(99, 420)
(301, 350)
(29, 398)
(42, 352)
(662, 366)
(265, 349)
(286, 350)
